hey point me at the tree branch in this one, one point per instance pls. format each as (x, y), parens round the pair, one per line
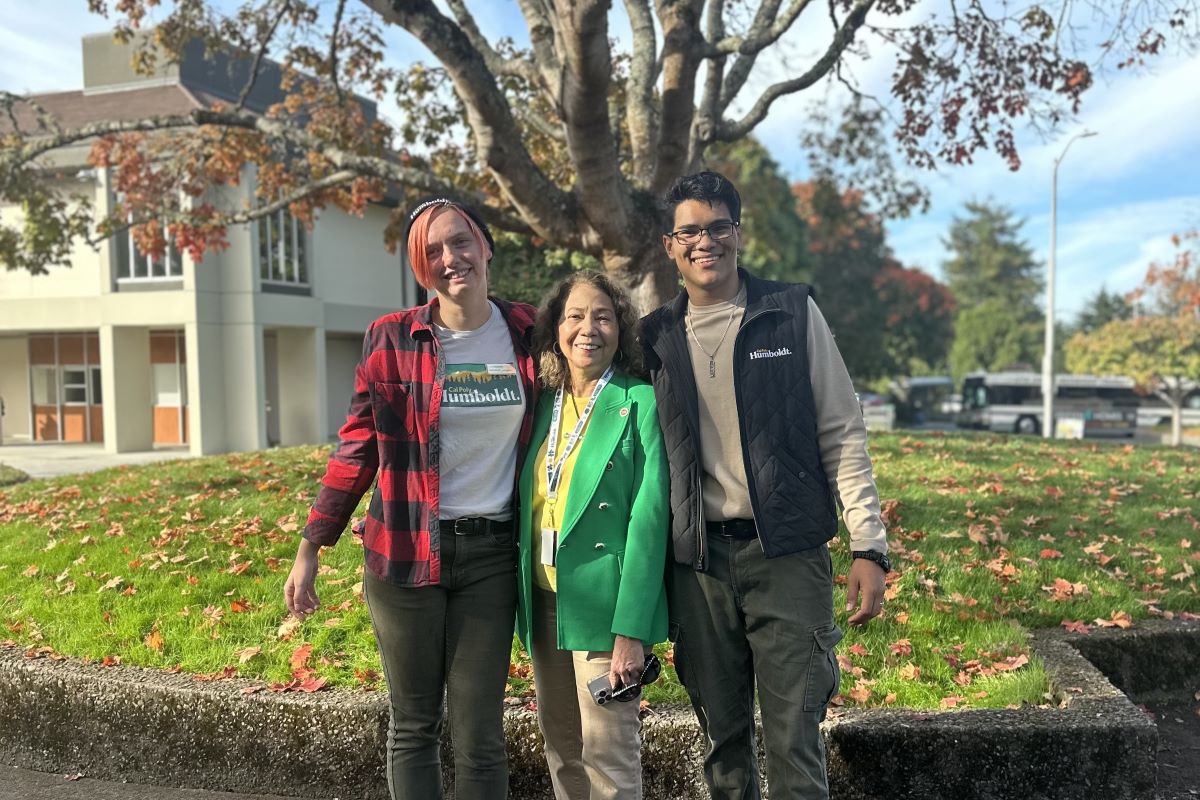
(284, 7)
(239, 218)
(276, 131)
(768, 26)
(587, 79)
(541, 40)
(710, 96)
(739, 72)
(333, 47)
(498, 141)
(683, 48)
(729, 131)
(496, 63)
(639, 91)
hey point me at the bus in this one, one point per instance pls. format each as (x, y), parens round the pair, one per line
(1155, 411)
(1011, 402)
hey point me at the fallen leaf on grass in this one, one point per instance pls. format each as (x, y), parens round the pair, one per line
(857, 649)
(31, 571)
(300, 656)
(952, 701)
(910, 671)
(287, 628)
(247, 653)
(252, 689)
(154, 641)
(1048, 553)
(1012, 663)
(110, 661)
(859, 694)
(112, 584)
(901, 647)
(312, 685)
(1119, 619)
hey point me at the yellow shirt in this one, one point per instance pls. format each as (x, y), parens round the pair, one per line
(548, 513)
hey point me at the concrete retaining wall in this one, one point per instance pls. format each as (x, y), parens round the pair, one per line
(150, 727)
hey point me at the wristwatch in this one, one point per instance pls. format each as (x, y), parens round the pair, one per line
(879, 558)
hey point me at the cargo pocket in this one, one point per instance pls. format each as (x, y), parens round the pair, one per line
(824, 677)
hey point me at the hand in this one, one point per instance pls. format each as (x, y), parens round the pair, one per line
(628, 659)
(865, 578)
(300, 591)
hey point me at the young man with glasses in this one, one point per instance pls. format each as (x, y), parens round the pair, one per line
(764, 434)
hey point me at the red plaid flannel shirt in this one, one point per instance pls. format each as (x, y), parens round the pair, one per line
(391, 431)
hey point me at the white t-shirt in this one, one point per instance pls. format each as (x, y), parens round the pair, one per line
(482, 407)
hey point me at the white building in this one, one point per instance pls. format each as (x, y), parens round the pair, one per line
(254, 346)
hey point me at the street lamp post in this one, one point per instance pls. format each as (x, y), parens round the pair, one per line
(1048, 355)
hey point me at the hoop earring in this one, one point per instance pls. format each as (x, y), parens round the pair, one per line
(620, 355)
(554, 348)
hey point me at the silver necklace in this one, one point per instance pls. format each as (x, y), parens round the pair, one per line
(712, 357)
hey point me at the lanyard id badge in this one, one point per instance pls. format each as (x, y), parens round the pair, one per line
(554, 465)
(549, 553)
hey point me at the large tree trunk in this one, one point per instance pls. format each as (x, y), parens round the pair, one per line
(649, 275)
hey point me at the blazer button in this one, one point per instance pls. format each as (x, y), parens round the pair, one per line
(599, 545)
(603, 506)
(608, 466)
(803, 474)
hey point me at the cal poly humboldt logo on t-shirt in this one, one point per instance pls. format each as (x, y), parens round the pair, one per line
(481, 385)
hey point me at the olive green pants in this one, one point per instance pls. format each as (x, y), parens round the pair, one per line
(753, 622)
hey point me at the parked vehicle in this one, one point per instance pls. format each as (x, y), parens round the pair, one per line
(1012, 402)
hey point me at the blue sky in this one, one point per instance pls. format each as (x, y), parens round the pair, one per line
(1121, 194)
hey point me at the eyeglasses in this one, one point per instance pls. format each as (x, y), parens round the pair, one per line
(650, 672)
(692, 234)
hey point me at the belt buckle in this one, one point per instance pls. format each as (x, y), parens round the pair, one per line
(467, 529)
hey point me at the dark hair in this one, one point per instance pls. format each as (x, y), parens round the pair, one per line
(707, 187)
(552, 366)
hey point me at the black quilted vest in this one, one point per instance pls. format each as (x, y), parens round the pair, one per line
(789, 493)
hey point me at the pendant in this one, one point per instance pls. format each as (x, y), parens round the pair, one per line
(712, 367)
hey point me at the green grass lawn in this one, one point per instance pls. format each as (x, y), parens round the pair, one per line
(181, 566)
(10, 475)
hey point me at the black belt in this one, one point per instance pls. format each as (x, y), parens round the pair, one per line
(474, 526)
(733, 529)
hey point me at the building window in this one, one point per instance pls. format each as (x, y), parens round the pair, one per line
(281, 250)
(45, 385)
(132, 265)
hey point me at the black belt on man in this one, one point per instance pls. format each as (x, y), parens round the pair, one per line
(474, 526)
(733, 529)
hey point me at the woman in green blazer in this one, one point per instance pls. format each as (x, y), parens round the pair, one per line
(593, 537)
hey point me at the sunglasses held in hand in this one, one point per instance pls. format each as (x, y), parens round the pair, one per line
(602, 692)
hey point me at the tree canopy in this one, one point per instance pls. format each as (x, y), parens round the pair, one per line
(1159, 346)
(1100, 309)
(566, 135)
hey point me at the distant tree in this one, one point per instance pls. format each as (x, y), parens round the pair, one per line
(989, 336)
(1159, 347)
(846, 245)
(996, 282)
(1161, 353)
(1100, 309)
(1173, 288)
(918, 318)
(775, 239)
(990, 259)
(525, 268)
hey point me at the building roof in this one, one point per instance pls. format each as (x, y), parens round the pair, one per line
(77, 108)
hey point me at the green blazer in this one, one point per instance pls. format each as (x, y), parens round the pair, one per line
(612, 546)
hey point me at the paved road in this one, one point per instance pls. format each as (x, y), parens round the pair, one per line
(22, 784)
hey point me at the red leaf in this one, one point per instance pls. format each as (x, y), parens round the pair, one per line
(300, 656)
(1075, 626)
(858, 650)
(1048, 553)
(312, 685)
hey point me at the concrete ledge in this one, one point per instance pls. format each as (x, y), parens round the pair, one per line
(150, 727)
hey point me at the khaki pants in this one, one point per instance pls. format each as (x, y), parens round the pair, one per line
(594, 752)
